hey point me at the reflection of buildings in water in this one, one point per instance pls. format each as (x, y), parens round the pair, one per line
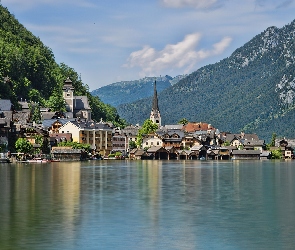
(39, 195)
(152, 175)
(66, 191)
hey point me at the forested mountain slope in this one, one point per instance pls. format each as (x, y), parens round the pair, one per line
(34, 75)
(253, 90)
(130, 91)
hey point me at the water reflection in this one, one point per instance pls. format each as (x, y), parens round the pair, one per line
(37, 197)
(148, 205)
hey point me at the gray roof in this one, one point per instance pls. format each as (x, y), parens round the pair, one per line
(24, 105)
(48, 123)
(5, 105)
(185, 152)
(91, 125)
(48, 115)
(253, 142)
(197, 147)
(175, 126)
(130, 130)
(246, 152)
(154, 149)
(265, 153)
(170, 132)
(21, 117)
(81, 102)
(248, 137)
(139, 152)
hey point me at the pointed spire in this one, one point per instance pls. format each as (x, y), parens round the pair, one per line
(155, 100)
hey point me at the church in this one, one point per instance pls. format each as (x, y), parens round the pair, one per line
(76, 106)
(155, 116)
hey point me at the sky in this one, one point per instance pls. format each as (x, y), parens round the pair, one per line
(108, 41)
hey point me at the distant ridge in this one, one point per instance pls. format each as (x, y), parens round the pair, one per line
(253, 90)
(130, 91)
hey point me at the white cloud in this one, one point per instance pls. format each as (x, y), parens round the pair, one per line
(199, 4)
(182, 55)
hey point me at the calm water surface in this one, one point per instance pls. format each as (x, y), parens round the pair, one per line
(148, 205)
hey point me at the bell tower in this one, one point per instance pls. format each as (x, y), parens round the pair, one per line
(155, 116)
(68, 94)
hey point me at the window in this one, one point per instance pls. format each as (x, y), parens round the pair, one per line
(146, 143)
(158, 143)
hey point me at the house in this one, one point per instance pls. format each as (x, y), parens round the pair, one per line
(139, 154)
(188, 155)
(151, 140)
(172, 138)
(158, 153)
(53, 125)
(254, 145)
(238, 140)
(286, 149)
(6, 117)
(66, 154)
(173, 152)
(189, 140)
(200, 151)
(97, 134)
(246, 154)
(198, 126)
(55, 138)
(213, 154)
(131, 134)
(119, 142)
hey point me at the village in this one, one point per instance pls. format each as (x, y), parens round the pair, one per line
(184, 141)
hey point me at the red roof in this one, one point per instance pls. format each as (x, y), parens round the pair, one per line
(197, 126)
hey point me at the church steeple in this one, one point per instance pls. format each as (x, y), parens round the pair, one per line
(155, 113)
(155, 100)
(68, 94)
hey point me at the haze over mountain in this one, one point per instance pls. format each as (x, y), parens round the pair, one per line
(253, 90)
(129, 91)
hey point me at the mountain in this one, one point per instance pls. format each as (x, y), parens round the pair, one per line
(253, 90)
(33, 73)
(130, 91)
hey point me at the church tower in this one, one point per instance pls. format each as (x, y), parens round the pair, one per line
(68, 94)
(155, 116)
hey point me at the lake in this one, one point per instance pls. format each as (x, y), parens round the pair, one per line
(148, 205)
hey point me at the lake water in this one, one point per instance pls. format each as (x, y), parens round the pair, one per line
(148, 205)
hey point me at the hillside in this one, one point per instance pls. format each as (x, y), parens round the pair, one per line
(120, 92)
(252, 90)
(34, 75)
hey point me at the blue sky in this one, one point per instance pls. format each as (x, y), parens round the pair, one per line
(107, 41)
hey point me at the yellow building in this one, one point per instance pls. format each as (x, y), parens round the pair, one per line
(97, 134)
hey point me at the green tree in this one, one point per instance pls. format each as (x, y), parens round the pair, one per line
(183, 121)
(132, 144)
(75, 145)
(35, 96)
(226, 143)
(56, 101)
(35, 112)
(148, 127)
(273, 139)
(22, 145)
(276, 154)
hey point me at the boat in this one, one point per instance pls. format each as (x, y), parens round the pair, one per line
(37, 160)
(4, 158)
